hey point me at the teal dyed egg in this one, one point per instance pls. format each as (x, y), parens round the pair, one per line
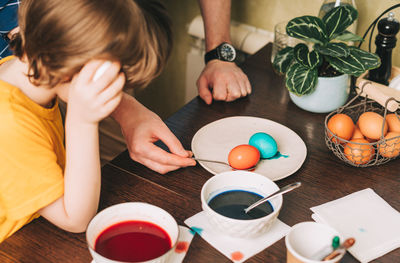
(265, 144)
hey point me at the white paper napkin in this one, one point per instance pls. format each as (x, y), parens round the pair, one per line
(184, 240)
(182, 247)
(368, 218)
(236, 249)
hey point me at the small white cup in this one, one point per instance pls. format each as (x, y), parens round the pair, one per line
(309, 242)
(136, 211)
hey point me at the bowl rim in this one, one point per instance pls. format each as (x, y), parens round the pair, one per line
(240, 221)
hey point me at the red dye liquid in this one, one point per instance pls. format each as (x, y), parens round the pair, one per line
(133, 241)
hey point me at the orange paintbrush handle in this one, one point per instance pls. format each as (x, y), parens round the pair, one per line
(346, 244)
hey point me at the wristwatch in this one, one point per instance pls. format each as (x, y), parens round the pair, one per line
(224, 52)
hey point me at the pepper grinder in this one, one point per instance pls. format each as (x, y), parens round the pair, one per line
(385, 41)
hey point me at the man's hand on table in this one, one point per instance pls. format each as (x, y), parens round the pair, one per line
(141, 129)
(222, 80)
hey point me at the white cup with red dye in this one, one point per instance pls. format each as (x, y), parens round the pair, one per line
(132, 232)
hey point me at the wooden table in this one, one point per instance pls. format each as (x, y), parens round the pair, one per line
(323, 175)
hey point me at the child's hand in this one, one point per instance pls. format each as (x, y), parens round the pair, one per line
(92, 99)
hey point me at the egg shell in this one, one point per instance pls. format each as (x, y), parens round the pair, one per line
(358, 151)
(264, 143)
(391, 146)
(371, 123)
(393, 122)
(243, 157)
(357, 134)
(342, 126)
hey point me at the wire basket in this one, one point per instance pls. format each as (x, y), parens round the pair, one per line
(363, 154)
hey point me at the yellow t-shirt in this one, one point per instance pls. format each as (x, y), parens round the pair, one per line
(32, 158)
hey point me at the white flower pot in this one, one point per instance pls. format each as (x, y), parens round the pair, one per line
(329, 94)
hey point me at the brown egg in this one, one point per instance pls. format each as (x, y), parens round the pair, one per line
(391, 147)
(342, 126)
(357, 134)
(370, 124)
(358, 152)
(393, 122)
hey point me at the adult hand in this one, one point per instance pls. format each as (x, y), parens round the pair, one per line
(141, 129)
(222, 80)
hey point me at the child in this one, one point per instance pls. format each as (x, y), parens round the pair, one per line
(60, 46)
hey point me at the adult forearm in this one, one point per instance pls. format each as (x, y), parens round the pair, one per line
(216, 16)
(127, 109)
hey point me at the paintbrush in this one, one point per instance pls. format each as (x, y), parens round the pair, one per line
(345, 245)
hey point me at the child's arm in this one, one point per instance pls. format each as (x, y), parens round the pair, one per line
(88, 102)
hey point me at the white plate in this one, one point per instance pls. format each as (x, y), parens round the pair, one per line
(215, 140)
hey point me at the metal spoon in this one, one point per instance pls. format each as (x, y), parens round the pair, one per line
(221, 162)
(281, 191)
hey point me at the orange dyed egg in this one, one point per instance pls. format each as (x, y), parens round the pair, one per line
(357, 134)
(342, 126)
(243, 157)
(391, 147)
(393, 122)
(371, 123)
(359, 153)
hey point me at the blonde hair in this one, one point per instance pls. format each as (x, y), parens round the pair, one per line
(59, 36)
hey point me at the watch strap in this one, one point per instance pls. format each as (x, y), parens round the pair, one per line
(210, 55)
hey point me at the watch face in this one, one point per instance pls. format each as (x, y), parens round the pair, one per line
(227, 52)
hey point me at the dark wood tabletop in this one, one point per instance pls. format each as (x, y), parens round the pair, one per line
(324, 177)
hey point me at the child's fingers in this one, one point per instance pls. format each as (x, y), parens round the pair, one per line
(87, 72)
(108, 76)
(112, 104)
(103, 78)
(112, 90)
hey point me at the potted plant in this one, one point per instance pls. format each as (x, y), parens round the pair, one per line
(318, 80)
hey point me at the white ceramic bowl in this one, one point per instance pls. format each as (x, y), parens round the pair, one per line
(126, 212)
(240, 180)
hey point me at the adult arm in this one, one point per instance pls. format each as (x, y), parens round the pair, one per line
(220, 80)
(141, 129)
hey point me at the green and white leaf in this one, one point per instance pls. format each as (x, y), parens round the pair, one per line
(338, 19)
(301, 80)
(348, 36)
(356, 63)
(369, 60)
(283, 59)
(310, 28)
(333, 49)
(306, 58)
